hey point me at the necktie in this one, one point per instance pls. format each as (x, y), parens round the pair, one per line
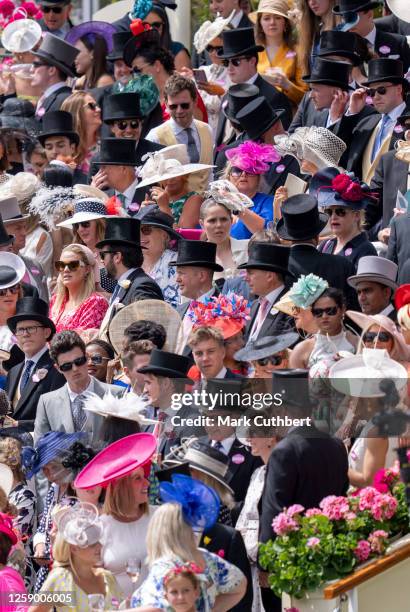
(192, 148)
(381, 134)
(115, 293)
(26, 374)
(79, 416)
(219, 446)
(122, 198)
(260, 318)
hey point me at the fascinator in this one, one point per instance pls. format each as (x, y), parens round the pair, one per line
(291, 144)
(6, 527)
(128, 406)
(402, 301)
(144, 85)
(200, 504)
(253, 157)
(185, 568)
(307, 289)
(77, 457)
(52, 205)
(21, 35)
(334, 188)
(22, 186)
(228, 313)
(52, 445)
(141, 8)
(210, 30)
(91, 259)
(225, 193)
(80, 525)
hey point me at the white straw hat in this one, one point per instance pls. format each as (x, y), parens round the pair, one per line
(210, 30)
(167, 164)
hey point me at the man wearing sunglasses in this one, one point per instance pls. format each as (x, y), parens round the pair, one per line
(56, 17)
(63, 409)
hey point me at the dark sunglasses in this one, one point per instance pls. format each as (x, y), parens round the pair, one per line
(319, 312)
(68, 365)
(183, 105)
(15, 289)
(52, 9)
(84, 224)
(132, 123)
(146, 230)
(38, 64)
(60, 266)
(235, 171)
(104, 253)
(274, 360)
(212, 49)
(97, 359)
(92, 106)
(372, 336)
(157, 25)
(235, 61)
(339, 212)
(382, 90)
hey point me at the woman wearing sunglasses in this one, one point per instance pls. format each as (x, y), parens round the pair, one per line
(378, 331)
(268, 354)
(87, 122)
(344, 199)
(75, 304)
(11, 274)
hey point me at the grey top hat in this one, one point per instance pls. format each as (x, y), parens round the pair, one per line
(375, 270)
(10, 210)
(57, 52)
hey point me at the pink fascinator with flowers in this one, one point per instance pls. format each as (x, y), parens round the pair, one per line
(228, 313)
(253, 157)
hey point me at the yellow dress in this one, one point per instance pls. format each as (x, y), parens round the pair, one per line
(288, 61)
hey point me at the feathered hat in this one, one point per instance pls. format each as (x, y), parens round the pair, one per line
(129, 406)
(225, 193)
(53, 204)
(228, 313)
(253, 157)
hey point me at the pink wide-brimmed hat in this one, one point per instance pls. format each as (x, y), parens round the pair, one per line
(117, 460)
(401, 351)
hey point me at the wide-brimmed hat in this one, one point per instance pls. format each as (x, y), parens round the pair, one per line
(361, 375)
(385, 70)
(7, 527)
(119, 40)
(117, 152)
(286, 305)
(239, 95)
(90, 29)
(198, 254)
(86, 209)
(161, 165)
(19, 115)
(153, 216)
(273, 7)
(118, 460)
(257, 117)
(22, 186)
(401, 351)
(301, 219)
(267, 256)
(49, 447)
(210, 30)
(239, 41)
(12, 269)
(333, 188)
(375, 270)
(267, 346)
(204, 458)
(143, 34)
(121, 106)
(121, 231)
(128, 406)
(5, 238)
(87, 191)
(400, 8)
(342, 44)
(315, 144)
(10, 210)
(293, 387)
(31, 309)
(168, 365)
(58, 123)
(354, 6)
(329, 72)
(21, 35)
(57, 52)
(6, 478)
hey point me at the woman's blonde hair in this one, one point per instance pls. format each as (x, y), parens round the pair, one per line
(10, 450)
(169, 535)
(224, 495)
(74, 104)
(89, 284)
(120, 500)
(100, 225)
(403, 317)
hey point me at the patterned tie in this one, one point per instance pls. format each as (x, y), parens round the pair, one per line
(381, 134)
(26, 375)
(79, 416)
(192, 148)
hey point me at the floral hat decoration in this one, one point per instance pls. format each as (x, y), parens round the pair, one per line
(185, 568)
(253, 157)
(333, 188)
(210, 30)
(306, 290)
(200, 504)
(80, 525)
(228, 313)
(225, 193)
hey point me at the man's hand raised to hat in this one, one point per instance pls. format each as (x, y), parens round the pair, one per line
(338, 106)
(357, 101)
(100, 180)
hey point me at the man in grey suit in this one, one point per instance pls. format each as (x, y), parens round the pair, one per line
(62, 409)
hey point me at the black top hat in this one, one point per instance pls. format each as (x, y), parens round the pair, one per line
(123, 231)
(57, 52)
(385, 70)
(257, 117)
(122, 106)
(17, 114)
(293, 387)
(329, 72)
(198, 254)
(240, 41)
(239, 96)
(117, 152)
(5, 237)
(165, 473)
(152, 215)
(267, 256)
(147, 37)
(58, 123)
(119, 40)
(301, 219)
(343, 44)
(169, 365)
(31, 309)
(353, 6)
(54, 2)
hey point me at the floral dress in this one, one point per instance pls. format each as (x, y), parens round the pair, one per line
(165, 275)
(218, 577)
(23, 498)
(89, 315)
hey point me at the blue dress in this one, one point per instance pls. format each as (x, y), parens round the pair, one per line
(262, 206)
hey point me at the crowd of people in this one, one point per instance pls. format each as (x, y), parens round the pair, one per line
(182, 224)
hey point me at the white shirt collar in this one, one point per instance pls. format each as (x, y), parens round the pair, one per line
(221, 374)
(396, 112)
(371, 37)
(236, 19)
(176, 128)
(386, 311)
(129, 192)
(126, 274)
(273, 295)
(36, 358)
(253, 78)
(226, 444)
(55, 87)
(73, 394)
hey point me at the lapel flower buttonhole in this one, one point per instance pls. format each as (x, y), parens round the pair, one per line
(39, 375)
(124, 283)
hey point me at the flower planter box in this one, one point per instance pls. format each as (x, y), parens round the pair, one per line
(380, 585)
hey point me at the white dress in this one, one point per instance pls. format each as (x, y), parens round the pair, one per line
(357, 452)
(121, 542)
(324, 351)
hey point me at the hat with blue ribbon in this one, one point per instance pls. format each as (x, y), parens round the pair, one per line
(200, 504)
(52, 445)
